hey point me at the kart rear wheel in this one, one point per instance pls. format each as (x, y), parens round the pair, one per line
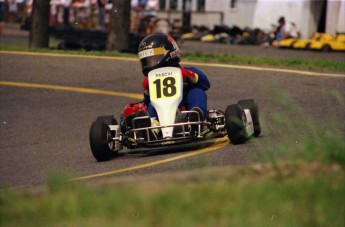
(100, 138)
(254, 111)
(234, 123)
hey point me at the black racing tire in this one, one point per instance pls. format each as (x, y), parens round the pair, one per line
(254, 111)
(101, 146)
(307, 47)
(326, 48)
(234, 124)
(291, 45)
(108, 119)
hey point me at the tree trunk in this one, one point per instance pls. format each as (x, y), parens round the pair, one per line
(39, 32)
(119, 26)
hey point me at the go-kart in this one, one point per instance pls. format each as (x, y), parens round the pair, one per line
(336, 43)
(239, 121)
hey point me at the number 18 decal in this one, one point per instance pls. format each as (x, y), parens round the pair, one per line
(164, 87)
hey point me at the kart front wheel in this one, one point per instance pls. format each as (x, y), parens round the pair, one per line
(254, 112)
(234, 122)
(100, 136)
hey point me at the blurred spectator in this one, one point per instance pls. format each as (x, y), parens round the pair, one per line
(66, 4)
(83, 13)
(12, 11)
(285, 30)
(2, 14)
(54, 12)
(26, 21)
(150, 25)
(143, 17)
(29, 7)
(137, 16)
(20, 10)
(94, 14)
(294, 32)
(101, 13)
(151, 8)
(107, 17)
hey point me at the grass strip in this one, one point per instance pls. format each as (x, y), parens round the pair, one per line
(304, 138)
(304, 195)
(296, 63)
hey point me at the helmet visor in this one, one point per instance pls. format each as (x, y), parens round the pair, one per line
(151, 61)
(151, 57)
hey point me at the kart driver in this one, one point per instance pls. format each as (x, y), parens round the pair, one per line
(195, 81)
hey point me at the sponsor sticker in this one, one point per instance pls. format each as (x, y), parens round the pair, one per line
(175, 53)
(151, 52)
(146, 53)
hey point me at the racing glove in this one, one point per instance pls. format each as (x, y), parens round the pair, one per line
(189, 76)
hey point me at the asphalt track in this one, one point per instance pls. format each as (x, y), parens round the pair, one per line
(48, 103)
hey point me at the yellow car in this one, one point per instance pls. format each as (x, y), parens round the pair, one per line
(336, 44)
(285, 43)
(208, 38)
(305, 43)
(189, 36)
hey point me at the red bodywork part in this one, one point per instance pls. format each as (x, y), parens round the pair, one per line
(133, 108)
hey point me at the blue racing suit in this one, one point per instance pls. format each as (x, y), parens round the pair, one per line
(195, 86)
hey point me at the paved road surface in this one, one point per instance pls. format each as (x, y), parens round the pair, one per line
(43, 130)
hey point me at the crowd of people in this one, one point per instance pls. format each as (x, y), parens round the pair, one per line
(83, 14)
(12, 11)
(245, 36)
(87, 14)
(95, 15)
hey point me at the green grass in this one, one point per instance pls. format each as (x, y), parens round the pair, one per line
(303, 196)
(304, 138)
(298, 63)
(305, 64)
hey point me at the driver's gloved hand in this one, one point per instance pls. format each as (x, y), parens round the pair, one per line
(189, 76)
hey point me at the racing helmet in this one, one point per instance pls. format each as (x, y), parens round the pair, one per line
(156, 51)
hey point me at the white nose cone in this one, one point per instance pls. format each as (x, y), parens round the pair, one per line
(166, 91)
